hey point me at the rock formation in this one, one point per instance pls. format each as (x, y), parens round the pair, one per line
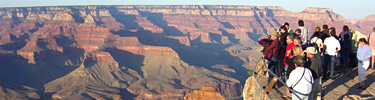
(206, 93)
(139, 52)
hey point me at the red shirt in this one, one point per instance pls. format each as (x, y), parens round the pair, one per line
(289, 47)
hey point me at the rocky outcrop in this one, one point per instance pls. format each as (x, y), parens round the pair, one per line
(206, 93)
(141, 52)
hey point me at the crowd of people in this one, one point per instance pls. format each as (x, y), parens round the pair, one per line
(304, 62)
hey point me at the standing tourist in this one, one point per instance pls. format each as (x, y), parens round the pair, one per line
(274, 49)
(314, 63)
(290, 31)
(324, 33)
(304, 33)
(363, 55)
(371, 42)
(332, 47)
(300, 80)
(345, 42)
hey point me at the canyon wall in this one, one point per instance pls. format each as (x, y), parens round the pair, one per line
(139, 52)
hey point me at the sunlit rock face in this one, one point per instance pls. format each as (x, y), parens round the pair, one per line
(139, 52)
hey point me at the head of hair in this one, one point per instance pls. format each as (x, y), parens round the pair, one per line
(316, 34)
(298, 39)
(299, 61)
(373, 29)
(325, 26)
(297, 50)
(317, 29)
(333, 31)
(346, 28)
(291, 36)
(362, 40)
(286, 23)
(300, 23)
(284, 28)
(298, 31)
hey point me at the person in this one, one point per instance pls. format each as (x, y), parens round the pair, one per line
(290, 31)
(314, 63)
(297, 51)
(297, 33)
(371, 43)
(346, 47)
(283, 34)
(274, 48)
(304, 33)
(300, 80)
(363, 55)
(297, 41)
(288, 50)
(332, 46)
(324, 33)
(315, 40)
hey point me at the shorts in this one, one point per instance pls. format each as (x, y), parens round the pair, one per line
(372, 51)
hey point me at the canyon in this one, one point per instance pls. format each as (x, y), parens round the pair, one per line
(140, 52)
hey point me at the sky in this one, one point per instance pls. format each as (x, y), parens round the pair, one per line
(349, 9)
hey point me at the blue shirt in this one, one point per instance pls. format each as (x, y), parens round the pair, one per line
(364, 53)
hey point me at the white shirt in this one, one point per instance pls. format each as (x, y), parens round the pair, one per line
(304, 34)
(304, 86)
(319, 42)
(331, 45)
(364, 53)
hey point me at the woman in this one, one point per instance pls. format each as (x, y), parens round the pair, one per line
(297, 51)
(363, 55)
(316, 40)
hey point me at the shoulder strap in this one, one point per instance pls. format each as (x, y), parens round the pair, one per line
(300, 78)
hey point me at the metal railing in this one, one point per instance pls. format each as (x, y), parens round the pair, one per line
(261, 66)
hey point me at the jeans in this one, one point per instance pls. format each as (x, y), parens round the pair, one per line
(345, 57)
(329, 60)
(316, 90)
(272, 65)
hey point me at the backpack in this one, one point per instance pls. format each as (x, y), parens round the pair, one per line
(315, 45)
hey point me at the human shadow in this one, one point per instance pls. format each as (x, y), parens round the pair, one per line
(354, 91)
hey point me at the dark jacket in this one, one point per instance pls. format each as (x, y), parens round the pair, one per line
(291, 65)
(345, 40)
(315, 65)
(275, 46)
(323, 34)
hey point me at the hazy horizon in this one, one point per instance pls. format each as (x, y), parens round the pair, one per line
(349, 9)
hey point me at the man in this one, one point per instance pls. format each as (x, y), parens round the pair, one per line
(314, 64)
(284, 34)
(332, 46)
(290, 31)
(324, 33)
(345, 38)
(297, 41)
(371, 42)
(274, 48)
(300, 80)
(304, 33)
(297, 33)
